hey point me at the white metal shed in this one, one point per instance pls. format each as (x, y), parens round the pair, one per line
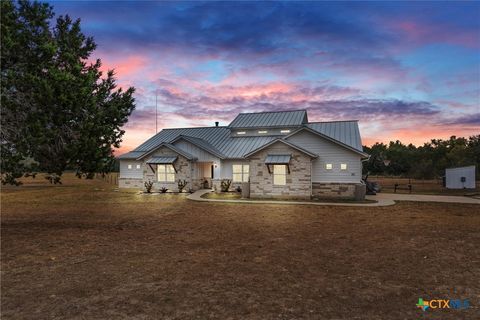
(460, 178)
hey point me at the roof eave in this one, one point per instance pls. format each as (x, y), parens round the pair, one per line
(169, 146)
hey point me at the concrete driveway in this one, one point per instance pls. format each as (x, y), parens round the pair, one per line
(422, 197)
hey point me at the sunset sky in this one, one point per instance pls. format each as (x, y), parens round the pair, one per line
(407, 71)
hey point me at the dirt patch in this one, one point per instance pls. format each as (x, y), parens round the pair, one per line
(85, 250)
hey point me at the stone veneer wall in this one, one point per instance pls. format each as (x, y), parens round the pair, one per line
(130, 183)
(333, 190)
(182, 164)
(298, 181)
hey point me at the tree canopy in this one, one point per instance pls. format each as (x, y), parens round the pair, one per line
(59, 111)
(427, 161)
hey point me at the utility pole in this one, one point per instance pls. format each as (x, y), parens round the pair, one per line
(156, 114)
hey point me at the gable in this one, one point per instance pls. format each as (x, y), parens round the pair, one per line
(320, 145)
(280, 145)
(308, 139)
(200, 154)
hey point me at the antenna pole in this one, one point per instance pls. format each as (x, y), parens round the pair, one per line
(156, 113)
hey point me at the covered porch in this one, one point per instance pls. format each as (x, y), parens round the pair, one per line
(203, 174)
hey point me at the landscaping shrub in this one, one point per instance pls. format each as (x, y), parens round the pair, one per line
(181, 185)
(163, 190)
(225, 185)
(238, 189)
(148, 186)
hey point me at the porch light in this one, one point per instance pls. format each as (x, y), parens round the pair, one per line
(241, 132)
(262, 131)
(284, 131)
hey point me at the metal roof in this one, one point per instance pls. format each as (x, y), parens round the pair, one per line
(162, 160)
(278, 159)
(270, 119)
(171, 147)
(220, 142)
(346, 132)
(218, 137)
(132, 155)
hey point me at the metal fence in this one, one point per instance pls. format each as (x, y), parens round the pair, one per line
(416, 185)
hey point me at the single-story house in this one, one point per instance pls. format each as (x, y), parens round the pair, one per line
(280, 154)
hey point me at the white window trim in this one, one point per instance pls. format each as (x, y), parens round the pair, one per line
(163, 175)
(328, 164)
(279, 174)
(130, 167)
(138, 167)
(245, 172)
(343, 166)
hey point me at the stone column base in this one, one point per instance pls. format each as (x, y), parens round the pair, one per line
(130, 183)
(334, 190)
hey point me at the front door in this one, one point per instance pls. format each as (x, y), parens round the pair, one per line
(212, 172)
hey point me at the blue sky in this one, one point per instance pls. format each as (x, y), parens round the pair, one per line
(406, 70)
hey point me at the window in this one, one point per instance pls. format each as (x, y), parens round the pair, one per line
(241, 132)
(240, 172)
(262, 131)
(284, 131)
(328, 166)
(138, 167)
(129, 167)
(343, 166)
(165, 173)
(279, 174)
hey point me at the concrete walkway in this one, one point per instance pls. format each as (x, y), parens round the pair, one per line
(197, 196)
(383, 199)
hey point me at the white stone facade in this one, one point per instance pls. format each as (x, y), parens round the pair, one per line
(298, 184)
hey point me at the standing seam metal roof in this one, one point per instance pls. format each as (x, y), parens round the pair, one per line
(270, 119)
(220, 140)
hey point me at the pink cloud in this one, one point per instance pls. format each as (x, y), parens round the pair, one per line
(422, 33)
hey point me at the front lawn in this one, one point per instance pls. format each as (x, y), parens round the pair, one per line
(85, 250)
